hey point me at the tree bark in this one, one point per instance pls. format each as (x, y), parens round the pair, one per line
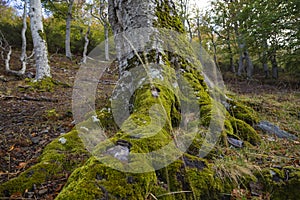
(265, 60)
(274, 66)
(231, 62)
(103, 18)
(249, 65)
(23, 57)
(39, 40)
(68, 30)
(86, 44)
(106, 36)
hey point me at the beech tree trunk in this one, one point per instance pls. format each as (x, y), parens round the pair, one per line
(39, 40)
(68, 30)
(101, 6)
(274, 66)
(23, 57)
(86, 38)
(265, 59)
(232, 67)
(106, 36)
(249, 65)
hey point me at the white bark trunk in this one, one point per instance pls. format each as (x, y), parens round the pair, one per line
(8, 59)
(106, 29)
(23, 57)
(68, 30)
(39, 40)
(86, 44)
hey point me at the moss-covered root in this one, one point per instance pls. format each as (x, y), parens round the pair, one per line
(187, 178)
(281, 183)
(96, 181)
(57, 159)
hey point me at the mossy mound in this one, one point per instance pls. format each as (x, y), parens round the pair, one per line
(57, 160)
(280, 183)
(47, 84)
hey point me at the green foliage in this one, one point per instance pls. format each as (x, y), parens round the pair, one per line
(55, 30)
(267, 27)
(10, 25)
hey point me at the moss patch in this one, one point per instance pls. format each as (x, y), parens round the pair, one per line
(47, 84)
(57, 160)
(95, 180)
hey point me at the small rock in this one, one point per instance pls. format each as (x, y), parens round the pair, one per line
(35, 140)
(95, 119)
(119, 152)
(62, 140)
(29, 194)
(155, 93)
(43, 191)
(45, 131)
(235, 142)
(270, 128)
(29, 75)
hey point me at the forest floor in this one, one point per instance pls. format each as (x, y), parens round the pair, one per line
(30, 118)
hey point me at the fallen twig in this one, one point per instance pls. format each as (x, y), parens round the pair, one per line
(28, 98)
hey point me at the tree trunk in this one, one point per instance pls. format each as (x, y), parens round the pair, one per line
(214, 44)
(86, 44)
(103, 18)
(147, 158)
(232, 67)
(68, 30)
(241, 67)
(249, 65)
(106, 35)
(39, 40)
(199, 31)
(274, 66)
(189, 30)
(265, 60)
(23, 57)
(241, 45)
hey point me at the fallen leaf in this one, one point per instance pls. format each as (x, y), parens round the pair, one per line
(12, 147)
(16, 195)
(59, 187)
(22, 165)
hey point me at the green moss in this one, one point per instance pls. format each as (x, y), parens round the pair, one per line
(46, 84)
(244, 131)
(42, 35)
(281, 183)
(95, 180)
(243, 112)
(167, 17)
(56, 160)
